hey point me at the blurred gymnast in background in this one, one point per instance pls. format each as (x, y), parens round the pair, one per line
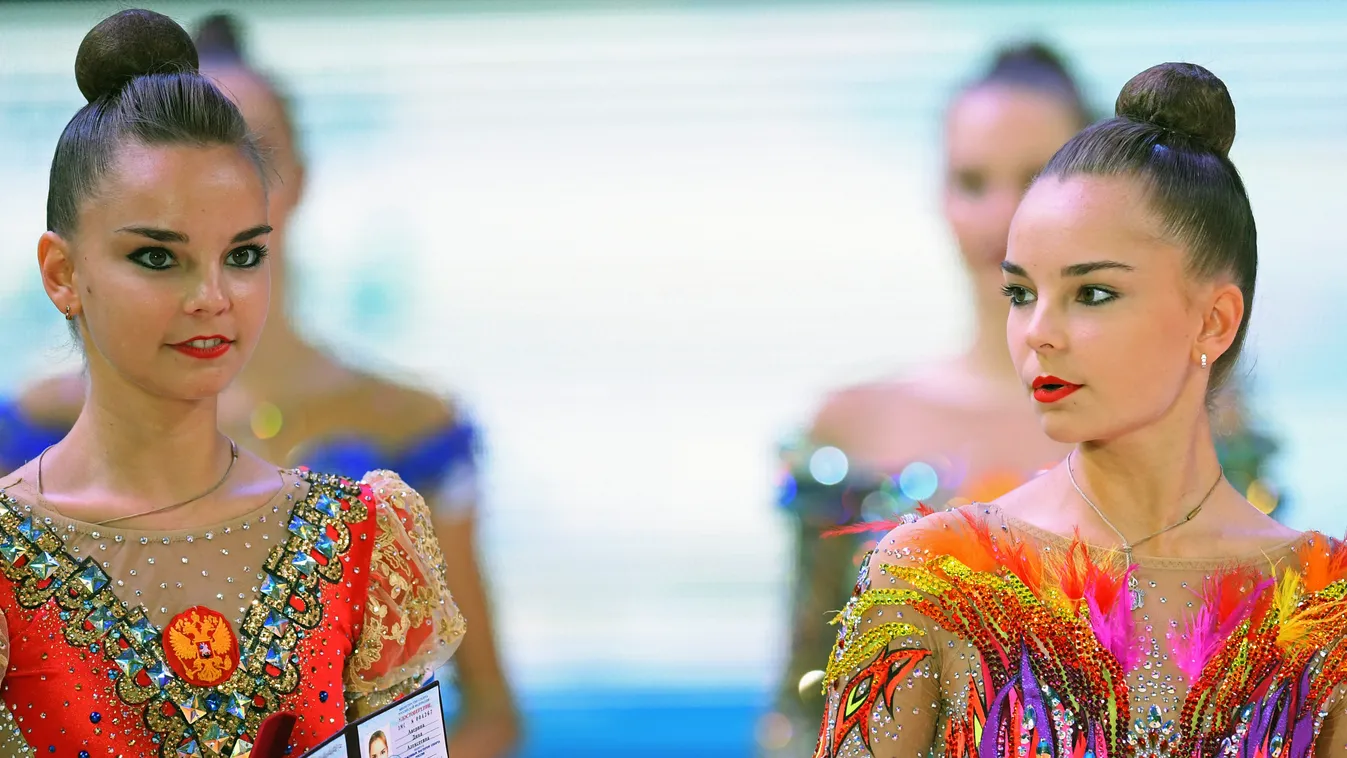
(295, 404)
(954, 431)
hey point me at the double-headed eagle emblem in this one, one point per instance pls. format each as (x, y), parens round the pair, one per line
(201, 647)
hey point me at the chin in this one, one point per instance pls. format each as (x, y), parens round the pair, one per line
(205, 387)
(1061, 427)
(200, 384)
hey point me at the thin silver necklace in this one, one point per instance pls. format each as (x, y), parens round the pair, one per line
(233, 457)
(1133, 584)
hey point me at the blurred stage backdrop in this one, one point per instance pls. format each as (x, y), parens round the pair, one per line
(640, 239)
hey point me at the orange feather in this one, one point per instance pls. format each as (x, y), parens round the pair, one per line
(1321, 564)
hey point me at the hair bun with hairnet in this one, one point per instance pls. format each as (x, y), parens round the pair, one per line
(130, 44)
(1184, 98)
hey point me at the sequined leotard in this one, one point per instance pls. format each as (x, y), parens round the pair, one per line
(970, 633)
(824, 487)
(327, 601)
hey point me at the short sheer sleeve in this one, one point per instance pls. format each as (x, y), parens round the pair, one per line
(900, 681)
(411, 625)
(1332, 739)
(884, 682)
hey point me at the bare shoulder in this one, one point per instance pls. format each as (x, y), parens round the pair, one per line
(1260, 528)
(55, 401)
(393, 412)
(850, 412)
(1036, 497)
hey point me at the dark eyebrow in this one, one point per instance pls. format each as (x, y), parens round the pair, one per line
(1081, 269)
(168, 235)
(256, 231)
(1075, 269)
(158, 235)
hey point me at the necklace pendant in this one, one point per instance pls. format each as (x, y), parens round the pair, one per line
(1134, 590)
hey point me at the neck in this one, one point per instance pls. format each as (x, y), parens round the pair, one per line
(1149, 479)
(128, 446)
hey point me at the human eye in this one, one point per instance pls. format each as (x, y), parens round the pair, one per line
(248, 256)
(153, 258)
(1018, 295)
(1094, 295)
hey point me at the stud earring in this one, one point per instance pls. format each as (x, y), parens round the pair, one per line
(68, 317)
(1204, 360)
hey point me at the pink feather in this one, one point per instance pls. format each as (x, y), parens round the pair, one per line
(1112, 621)
(1222, 610)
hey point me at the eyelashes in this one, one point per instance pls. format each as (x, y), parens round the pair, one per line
(1018, 295)
(1090, 295)
(1106, 296)
(162, 259)
(154, 258)
(253, 255)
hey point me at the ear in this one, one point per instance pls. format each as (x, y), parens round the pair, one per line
(55, 260)
(1220, 322)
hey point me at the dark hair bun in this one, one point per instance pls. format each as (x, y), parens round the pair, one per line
(130, 44)
(1034, 56)
(1184, 98)
(218, 39)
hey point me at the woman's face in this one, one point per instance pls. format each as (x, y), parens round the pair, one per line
(997, 139)
(167, 269)
(1104, 315)
(378, 748)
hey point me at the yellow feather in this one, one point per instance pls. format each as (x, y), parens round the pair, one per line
(1285, 600)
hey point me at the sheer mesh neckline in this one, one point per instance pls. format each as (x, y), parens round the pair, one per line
(293, 488)
(1263, 557)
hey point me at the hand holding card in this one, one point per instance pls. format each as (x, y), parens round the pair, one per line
(412, 727)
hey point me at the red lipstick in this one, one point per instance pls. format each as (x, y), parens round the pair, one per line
(1050, 389)
(204, 348)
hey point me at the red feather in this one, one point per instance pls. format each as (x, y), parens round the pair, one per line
(868, 526)
(922, 511)
(995, 552)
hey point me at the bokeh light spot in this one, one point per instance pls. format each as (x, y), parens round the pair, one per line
(918, 481)
(828, 465)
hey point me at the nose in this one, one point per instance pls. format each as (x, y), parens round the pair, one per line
(1045, 330)
(208, 294)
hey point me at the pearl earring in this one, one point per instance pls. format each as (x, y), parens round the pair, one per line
(1204, 360)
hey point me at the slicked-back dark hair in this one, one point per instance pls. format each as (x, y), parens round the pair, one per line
(138, 70)
(1173, 130)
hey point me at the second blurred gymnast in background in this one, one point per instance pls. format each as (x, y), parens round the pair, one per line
(295, 404)
(957, 430)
